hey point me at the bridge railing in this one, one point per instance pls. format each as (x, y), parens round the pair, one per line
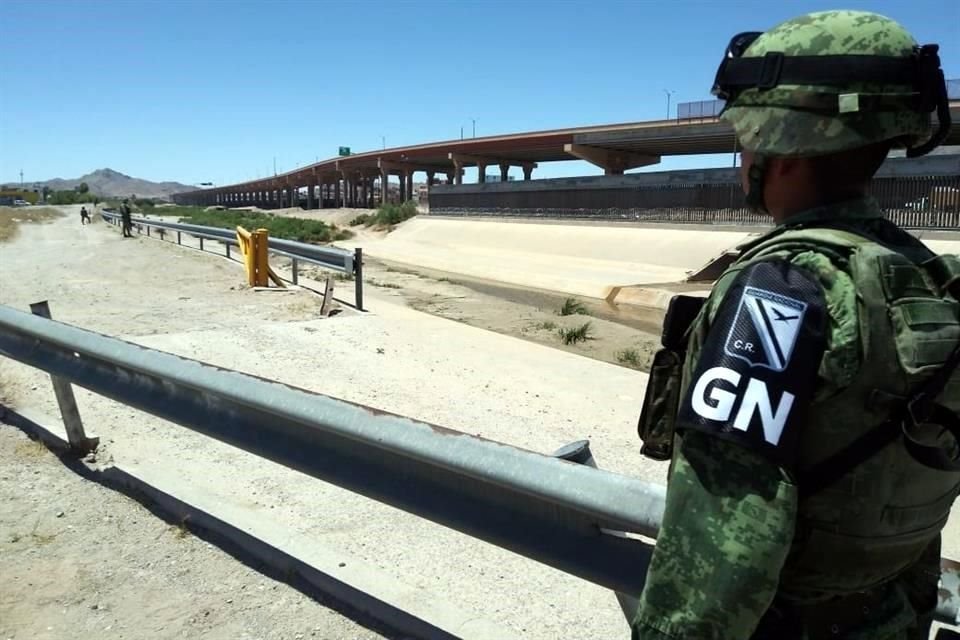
(573, 517)
(332, 258)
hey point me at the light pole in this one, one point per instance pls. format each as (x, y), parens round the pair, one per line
(461, 134)
(383, 141)
(669, 93)
(474, 127)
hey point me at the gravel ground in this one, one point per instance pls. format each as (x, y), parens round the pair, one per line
(395, 358)
(79, 560)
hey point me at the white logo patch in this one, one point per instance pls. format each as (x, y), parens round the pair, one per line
(715, 403)
(765, 329)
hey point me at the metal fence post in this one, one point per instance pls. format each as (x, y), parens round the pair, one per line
(201, 244)
(68, 403)
(227, 248)
(358, 277)
(295, 268)
(178, 237)
(579, 452)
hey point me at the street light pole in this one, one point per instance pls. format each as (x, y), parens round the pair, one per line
(383, 141)
(669, 93)
(474, 127)
(461, 132)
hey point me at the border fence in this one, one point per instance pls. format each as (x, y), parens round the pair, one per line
(914, 193)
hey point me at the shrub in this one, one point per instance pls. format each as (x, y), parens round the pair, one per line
(363, 218)
(629, 357)
(574, 335)
(278, 227)
(390, 214)
(571, 306)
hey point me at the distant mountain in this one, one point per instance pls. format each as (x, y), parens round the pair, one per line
(109, 183)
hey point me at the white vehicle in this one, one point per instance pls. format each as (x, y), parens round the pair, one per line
(21, 203)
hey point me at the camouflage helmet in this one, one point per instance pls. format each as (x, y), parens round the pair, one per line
(832, 81)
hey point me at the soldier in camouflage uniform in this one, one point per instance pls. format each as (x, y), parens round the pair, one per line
(814, 396)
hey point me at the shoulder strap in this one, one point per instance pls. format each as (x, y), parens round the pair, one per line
(833, 235)
(919, 408)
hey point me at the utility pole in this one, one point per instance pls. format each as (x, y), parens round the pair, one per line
(474, 127)
(21, 179)
(274, 165)
(669, 93)
(383, 141)
(461, 132)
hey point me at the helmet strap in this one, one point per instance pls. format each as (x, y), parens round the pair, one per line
(756, 177)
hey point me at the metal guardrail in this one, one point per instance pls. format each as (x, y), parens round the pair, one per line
(566, 515)
(539, 506)
(341, 260)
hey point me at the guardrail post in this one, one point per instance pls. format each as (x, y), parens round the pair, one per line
(261, 258)
(358, 277)
(148, 231)
(227, 248)
(68, 403)
(295, 268)
(201, 244)
(579, 452)
(178, 237)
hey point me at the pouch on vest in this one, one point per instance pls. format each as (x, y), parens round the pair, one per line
(662, 398)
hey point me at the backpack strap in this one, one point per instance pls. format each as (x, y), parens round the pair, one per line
(908, 414)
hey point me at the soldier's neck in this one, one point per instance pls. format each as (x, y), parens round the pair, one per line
(806, 199)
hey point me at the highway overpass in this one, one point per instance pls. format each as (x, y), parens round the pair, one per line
(355, 180)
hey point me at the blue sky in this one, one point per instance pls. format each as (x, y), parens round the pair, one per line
(214, 91)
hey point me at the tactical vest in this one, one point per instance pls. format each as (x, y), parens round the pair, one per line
(876, 516)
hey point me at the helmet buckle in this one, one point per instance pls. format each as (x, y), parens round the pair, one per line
(770, 70)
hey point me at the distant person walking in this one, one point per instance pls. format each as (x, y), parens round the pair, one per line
(84, 216)
(125, 218)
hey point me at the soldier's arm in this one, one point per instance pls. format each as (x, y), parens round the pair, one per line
(726, 532)
(731, 507)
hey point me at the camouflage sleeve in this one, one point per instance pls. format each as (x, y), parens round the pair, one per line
(715, 580)
(731, 511)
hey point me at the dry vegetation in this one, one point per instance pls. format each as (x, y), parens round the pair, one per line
(10, 217)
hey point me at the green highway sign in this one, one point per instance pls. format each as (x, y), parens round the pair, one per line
(344, 151)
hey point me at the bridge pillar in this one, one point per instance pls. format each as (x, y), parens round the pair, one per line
(457, 172)
(336, 193)
(528, 172)
(504, 171)
(449, 177)
(310, 189)
(363, 192)
(384, 186)
(410, 184)
(481, 173)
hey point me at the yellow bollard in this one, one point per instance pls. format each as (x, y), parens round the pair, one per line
(246, 241)
(261, 259)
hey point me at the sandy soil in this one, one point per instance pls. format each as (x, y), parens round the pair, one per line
(627, 336)
(77, 560)
(394, 358)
